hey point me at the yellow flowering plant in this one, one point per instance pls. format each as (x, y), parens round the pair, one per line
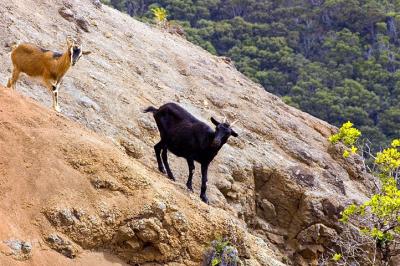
(348, 135)
(336, 257)
(389, 159)
(379, 217)
(160, 15)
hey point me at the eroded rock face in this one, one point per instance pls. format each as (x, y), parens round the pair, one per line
(158, 233)
(298, 209)
(62, 245)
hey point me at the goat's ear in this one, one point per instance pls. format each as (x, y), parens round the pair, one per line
(234, 133)
(86, 52)
(215, 122)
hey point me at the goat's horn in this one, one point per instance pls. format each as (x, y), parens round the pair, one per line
(234, 122)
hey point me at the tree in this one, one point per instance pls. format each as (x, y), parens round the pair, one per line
(390, 121)
(371, 231)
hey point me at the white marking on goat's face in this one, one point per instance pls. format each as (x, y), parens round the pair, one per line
(71, 51)
(76, 53)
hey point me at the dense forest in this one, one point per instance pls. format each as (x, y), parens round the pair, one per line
(338, 60)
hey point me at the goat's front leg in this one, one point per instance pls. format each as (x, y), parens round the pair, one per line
(56, 106)
(190, 178)
(165, 161)
(53, 88)
(204, 172)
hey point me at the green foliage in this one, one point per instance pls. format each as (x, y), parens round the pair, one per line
(338, 60)
(379, 217)
(389, 159)
(382, 212)
(336, 257)
(160, 14)
(348, 135)
(215, 261)
(223, 253)
(219, 245)
(106, 2)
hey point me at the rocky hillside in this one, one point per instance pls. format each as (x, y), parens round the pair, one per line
(68, 189)
(71, 188)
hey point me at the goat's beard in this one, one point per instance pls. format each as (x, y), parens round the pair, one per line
(216, 143)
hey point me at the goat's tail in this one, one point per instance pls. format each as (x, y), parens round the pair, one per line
(150, 109)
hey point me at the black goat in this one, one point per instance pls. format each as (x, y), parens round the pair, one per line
(187, 137)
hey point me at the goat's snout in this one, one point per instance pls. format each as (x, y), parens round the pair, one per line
(74, 60)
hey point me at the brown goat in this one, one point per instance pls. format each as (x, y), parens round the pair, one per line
(47, 65)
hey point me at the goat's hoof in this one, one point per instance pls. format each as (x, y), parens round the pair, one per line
(204, 199)
(57, 109)
(162, 170)
(190, 188)
(172, 178)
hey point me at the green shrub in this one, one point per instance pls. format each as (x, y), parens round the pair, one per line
(348, 135)
(160, 15)
(377, 220)
(222, 253)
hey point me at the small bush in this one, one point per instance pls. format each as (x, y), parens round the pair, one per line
(348, 135)
(337, 257)
(160, 15)
(222, 253)
(371, 230)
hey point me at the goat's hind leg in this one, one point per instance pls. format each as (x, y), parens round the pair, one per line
(191, 171)
(157, 148)
(164, 154)
(15, 75)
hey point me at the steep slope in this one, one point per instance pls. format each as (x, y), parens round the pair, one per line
(60, 182)
(280, 176)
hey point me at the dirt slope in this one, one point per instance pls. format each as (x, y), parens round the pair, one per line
(280, 177)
